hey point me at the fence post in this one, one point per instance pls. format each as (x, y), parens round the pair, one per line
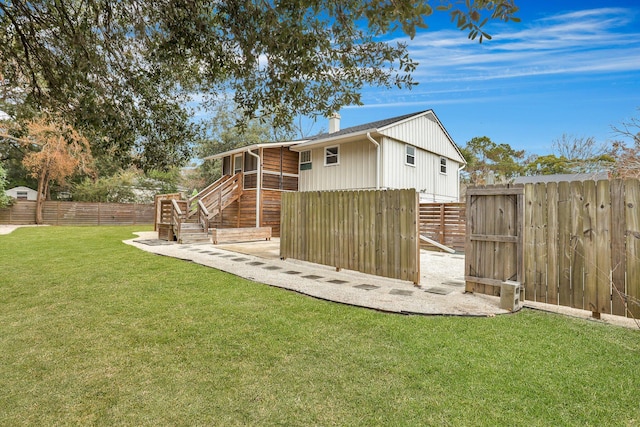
(442, 222)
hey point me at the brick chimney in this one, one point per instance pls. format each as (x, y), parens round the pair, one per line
(334, 122)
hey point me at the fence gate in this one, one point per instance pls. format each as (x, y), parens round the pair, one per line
(494, 246)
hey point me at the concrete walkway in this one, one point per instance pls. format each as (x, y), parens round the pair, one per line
(441, 290)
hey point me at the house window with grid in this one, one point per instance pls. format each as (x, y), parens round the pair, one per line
(305, 160)
(410, 155)
(331, 156)
(443, 165)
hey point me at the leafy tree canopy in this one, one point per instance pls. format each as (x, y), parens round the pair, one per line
(549, 164)
(56, 151)
(127, 186)
(122, 72)
(4, 199)
(486, 159)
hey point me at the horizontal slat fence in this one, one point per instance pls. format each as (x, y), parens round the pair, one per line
(374, 232)
(78, 213)
(445, 223)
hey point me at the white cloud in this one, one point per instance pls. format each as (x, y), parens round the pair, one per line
(589, 41)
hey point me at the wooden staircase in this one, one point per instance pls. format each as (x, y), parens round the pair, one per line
(187, 221)
(193, 232)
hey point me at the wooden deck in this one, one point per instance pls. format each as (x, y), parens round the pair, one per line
(227, 208)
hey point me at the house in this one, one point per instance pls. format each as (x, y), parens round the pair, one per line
(22, 193)
(409, 151)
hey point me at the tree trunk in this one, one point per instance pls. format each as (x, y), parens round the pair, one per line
(42, 189)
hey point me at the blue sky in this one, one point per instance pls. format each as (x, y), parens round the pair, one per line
(569, 67)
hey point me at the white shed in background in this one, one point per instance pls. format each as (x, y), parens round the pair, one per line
(22, 193)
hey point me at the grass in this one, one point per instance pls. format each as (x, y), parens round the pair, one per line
(94, 332)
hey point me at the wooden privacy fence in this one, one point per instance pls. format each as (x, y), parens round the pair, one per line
(580, 244)
(374, 232)
(78, 213)
(445, 223)
(493, 250)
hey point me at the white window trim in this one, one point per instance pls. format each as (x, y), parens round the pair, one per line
(406, 154)
(309, 162)
(337, 156)
(446, 165)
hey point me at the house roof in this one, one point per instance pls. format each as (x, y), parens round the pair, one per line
(379, 124)
(354, 131)
(343, 135)
(377, 127)
(253, 147)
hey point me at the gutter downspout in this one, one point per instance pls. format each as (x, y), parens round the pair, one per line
(258, 185)
(377, 144)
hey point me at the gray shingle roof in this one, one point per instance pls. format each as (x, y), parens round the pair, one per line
(367, 126)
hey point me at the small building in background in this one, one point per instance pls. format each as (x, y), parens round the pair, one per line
(22, 193)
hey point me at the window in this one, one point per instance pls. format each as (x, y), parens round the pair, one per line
(237, 163)
(331, 156)
(22, 195)
(410, 157)
(443, 165)
(305, 160)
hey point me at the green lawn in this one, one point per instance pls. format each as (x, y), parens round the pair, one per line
(95, 332)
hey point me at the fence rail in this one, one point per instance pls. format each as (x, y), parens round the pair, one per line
(78, 213)
(445, 223)
(374, 232)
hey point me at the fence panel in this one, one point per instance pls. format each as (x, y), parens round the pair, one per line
(78, 213)
(581, 243)
(493, 241)
(374, 232)
(445, 223)
(632, 219)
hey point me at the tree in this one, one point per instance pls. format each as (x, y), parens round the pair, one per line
(583, 154)
(4, 199)
(488, 161)
(129, 186)
(57, 151)
(627, 156)
(549, 164)
(122, 72)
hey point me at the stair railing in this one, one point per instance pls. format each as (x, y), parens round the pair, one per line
(203, 216)
(211, 188)
(177, 217)
(224, 195)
